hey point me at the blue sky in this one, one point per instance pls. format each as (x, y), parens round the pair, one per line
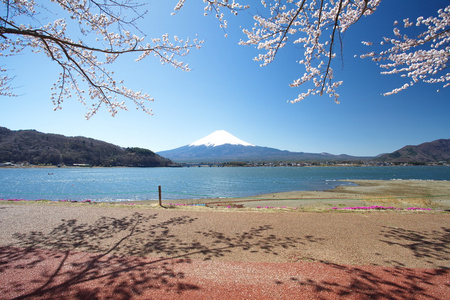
(227, 90)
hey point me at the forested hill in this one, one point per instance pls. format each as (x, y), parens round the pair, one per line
(436, 151)
(36, 148)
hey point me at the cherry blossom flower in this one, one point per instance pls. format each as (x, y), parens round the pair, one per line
(108, 30)
(424, 58)
(315, 25)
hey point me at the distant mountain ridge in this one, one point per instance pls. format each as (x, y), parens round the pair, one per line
(31, 146)
(221, 146)
(435, 151)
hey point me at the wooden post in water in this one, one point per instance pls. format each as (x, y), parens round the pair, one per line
(159, 191)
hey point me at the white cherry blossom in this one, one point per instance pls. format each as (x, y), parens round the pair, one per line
(315, 25)
(108, 30)
(424, 58)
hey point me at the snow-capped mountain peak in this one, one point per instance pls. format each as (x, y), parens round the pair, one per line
(218, 138)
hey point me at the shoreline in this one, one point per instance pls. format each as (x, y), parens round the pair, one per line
(433, 194)
(402, 193)
(217, 165)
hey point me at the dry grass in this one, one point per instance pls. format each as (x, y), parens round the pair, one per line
(391, 200)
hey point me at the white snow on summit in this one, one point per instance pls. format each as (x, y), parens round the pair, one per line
(220, 137)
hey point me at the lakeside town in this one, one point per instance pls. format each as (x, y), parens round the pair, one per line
(249, 164)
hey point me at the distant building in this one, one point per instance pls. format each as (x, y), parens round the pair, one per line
(7, 164)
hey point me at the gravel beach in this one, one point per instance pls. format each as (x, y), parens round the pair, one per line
(90, 251)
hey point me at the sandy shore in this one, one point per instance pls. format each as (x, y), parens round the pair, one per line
(92, 251)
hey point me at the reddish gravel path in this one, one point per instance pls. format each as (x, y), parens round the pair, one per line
(50, 274)
(88, 252)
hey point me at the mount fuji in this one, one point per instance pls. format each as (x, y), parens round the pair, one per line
(219, 138)
(221, 146)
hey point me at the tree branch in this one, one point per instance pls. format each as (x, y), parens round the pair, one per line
(299, 10)
(330, 54)
(42, 35)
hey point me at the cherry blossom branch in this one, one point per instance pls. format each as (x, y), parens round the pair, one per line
(95, 19)
(330, 53)
(286, 30)
(307, 22)
(424, 58)
(216, 6)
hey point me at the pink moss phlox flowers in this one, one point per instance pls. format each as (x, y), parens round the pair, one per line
(376, 207)
(273, 207)
(15, 200)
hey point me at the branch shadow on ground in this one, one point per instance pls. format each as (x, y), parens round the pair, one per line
(378, 283)
(396, 282)
(115, 252)
(432, 246)
(101, 262)
(78, 260)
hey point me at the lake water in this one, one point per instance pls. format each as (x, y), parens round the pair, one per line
(121, 184)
